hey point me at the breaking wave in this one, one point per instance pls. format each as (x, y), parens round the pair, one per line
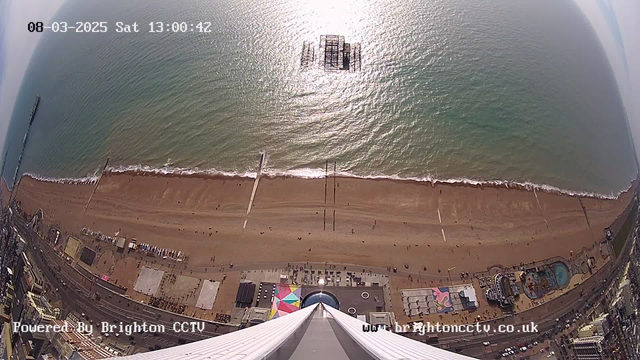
(89, 179)
(308, 173)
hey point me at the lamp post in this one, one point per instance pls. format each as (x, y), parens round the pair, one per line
(449, 271)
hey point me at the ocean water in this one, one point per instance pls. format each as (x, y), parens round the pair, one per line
(487, 90)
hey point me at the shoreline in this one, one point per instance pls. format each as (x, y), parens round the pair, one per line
(213, 174)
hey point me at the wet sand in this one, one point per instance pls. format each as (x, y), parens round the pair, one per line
(378, 222)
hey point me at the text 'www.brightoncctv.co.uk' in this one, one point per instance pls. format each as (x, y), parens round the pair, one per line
(477, 328)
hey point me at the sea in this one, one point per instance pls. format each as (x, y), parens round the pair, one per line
(483, 91)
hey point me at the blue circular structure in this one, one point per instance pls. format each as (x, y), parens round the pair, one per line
(321, 297)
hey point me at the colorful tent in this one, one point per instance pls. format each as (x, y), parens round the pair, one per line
(285, 300)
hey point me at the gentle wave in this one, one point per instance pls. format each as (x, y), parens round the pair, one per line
(89, 179)
(308, 173)
(172, 170)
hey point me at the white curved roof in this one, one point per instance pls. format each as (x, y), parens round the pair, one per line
(261, 341)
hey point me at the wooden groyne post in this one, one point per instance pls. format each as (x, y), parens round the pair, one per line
(255, 188)
(104, 168)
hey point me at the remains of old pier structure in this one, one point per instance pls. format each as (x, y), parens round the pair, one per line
(24, 145)
(333, 54)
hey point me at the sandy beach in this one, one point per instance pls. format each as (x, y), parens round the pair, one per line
(377, 223)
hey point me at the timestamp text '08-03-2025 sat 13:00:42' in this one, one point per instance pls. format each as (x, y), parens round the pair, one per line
(121, 27)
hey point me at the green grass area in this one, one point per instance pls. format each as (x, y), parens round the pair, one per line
(623, 234)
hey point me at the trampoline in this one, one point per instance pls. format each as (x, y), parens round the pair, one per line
(562, 274)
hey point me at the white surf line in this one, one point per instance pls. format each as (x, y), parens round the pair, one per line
(253, 191)
(443, 236)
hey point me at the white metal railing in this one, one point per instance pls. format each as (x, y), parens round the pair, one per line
(386, 345)
(255, 342)
(260, 341)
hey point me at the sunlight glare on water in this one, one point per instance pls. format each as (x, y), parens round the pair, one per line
(486, 90)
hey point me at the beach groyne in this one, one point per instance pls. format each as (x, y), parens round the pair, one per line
(255, 188)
